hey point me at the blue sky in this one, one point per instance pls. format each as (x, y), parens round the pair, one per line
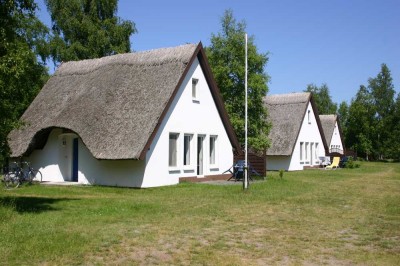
(340, 42)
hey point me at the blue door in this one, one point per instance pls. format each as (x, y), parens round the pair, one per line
(75, 160)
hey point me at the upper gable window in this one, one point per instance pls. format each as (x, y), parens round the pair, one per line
(309, 116)
(195, 89)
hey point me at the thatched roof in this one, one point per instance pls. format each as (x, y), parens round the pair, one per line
(328, 125)
(115, 103)
(286, 113)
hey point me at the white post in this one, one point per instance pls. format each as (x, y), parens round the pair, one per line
(245, 120)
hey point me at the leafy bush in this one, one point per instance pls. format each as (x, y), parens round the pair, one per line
(351, 163)
(281, 171)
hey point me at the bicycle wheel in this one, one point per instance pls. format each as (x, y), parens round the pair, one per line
(11, 180)
(35, 175)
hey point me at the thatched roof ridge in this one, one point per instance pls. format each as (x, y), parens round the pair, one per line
(115, 104)
(328, 125)
(286, 113)
(156, 57)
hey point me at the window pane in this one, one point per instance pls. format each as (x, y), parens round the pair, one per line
(173, 142)
(212, 149)
(194, 88)
(186, 150)
(305, 151)
(301, 151)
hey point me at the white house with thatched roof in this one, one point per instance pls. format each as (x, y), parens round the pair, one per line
(140, 119)
(333, 133)
(297, 139)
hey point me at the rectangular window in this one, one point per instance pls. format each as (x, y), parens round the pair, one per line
(316, 151)
(173, 149)
(309, 118)
(213, 142)
(186, 149)
(194, 89)
(301, 151)
(306, 151)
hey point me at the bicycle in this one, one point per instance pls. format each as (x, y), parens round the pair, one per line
(19, 175)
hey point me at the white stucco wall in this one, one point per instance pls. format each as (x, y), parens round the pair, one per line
(309, 133)
(52, 160)
(55, 164)
(185, 116)
(336, 141)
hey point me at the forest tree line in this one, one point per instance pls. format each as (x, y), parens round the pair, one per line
(371, 122)
(86, 29)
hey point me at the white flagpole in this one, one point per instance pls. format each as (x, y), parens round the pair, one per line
(245, 120)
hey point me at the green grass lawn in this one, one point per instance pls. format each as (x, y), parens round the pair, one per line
(345, 216)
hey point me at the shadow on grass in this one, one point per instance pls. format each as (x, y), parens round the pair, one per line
(31, 204)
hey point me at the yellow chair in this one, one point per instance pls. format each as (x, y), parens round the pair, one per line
(334, 164)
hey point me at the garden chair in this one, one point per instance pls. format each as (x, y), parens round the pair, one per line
(238, 171)
(334, 164)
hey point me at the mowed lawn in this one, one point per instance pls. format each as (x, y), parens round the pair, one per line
(338, 217)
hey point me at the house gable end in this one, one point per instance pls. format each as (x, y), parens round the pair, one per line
(200, 55)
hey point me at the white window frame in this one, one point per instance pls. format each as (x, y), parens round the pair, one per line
(306, 152)
(301, 151)
(316, 150)
(309, 116)
(192, 157)
(176, 151)
(187, 149)
(213, 164)
(195, 89)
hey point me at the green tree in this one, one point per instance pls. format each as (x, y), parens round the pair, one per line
(226, 55)
(393, 141)
(85, 29)
(343, 113)
(322, 99)
(383, 93)
(360, 124)
(22, 39)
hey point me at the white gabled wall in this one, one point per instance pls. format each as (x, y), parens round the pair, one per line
(309, 133)
(197, 117)
(336, 141)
